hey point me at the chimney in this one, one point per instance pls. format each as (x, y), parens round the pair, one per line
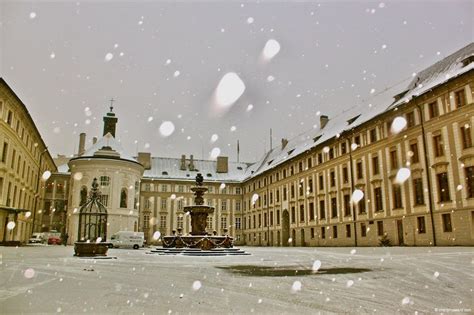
(144, 158)
(94, 140)
(323, 121)
(183, 163)
(222, 164)
(191, 163)
(284, 142)
(82, 144)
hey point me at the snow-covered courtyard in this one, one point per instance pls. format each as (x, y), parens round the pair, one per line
(48, 279)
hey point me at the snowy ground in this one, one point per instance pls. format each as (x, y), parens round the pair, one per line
(48, 279)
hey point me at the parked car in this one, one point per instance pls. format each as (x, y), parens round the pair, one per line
(128, 239)
(54, 240)
(37, 238)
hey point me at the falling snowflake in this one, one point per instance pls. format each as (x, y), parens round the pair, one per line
(250, 20)
(108, 57)
(357, 196)
(166, 128)
(156, 235)
(214, 138)
(11, 225)
(398, 124)
(229, 89)
(271, 49)
(349, 283)
(196, 285)
(402, 175)
(52, 55)
(249, 107)
(32, 15)
(316, 265)
(406, 300)
(29, 273)
(254, 198)
(296, 287)
(233, 128)
(215, 152)
(46, 175)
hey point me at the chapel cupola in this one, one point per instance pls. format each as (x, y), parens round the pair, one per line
(110, 121)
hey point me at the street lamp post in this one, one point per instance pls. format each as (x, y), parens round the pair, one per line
(37, 190)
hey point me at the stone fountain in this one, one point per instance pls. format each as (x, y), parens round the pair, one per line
(198, 238)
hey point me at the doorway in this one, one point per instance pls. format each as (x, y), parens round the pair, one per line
(303, 244)
(400, 232)
(285, 227)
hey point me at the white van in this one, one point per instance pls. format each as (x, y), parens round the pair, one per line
(127, 239)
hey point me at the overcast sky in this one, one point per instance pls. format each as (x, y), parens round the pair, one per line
(168, 59)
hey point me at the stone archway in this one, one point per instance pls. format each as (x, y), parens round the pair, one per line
(285, 227)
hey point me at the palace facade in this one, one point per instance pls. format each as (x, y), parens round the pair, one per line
(24, 157)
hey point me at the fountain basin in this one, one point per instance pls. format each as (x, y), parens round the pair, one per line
(84, 249)
(204, 242)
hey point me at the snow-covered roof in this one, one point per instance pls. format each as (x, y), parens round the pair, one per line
(442, 71)
(169, 168)
(63, 168)
(439, 73)
(108, 141)
(345, 121)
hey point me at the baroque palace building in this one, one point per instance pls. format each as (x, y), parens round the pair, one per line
(24, 157)
(402, 173)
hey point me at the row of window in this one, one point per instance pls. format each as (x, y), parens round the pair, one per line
(442, 185)
(438, 149)
(104, 198)
(187, 188)
(22, 132)
(377, 201)
(18, 164)
(16, 196)
(364, 228)
(180, 204)
(180, 222)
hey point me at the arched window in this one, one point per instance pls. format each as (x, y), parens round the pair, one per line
(83, 196)
(123, 198)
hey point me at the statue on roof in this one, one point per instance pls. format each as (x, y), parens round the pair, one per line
(199, 179)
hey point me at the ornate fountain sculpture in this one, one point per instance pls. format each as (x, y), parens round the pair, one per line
(198, 237)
